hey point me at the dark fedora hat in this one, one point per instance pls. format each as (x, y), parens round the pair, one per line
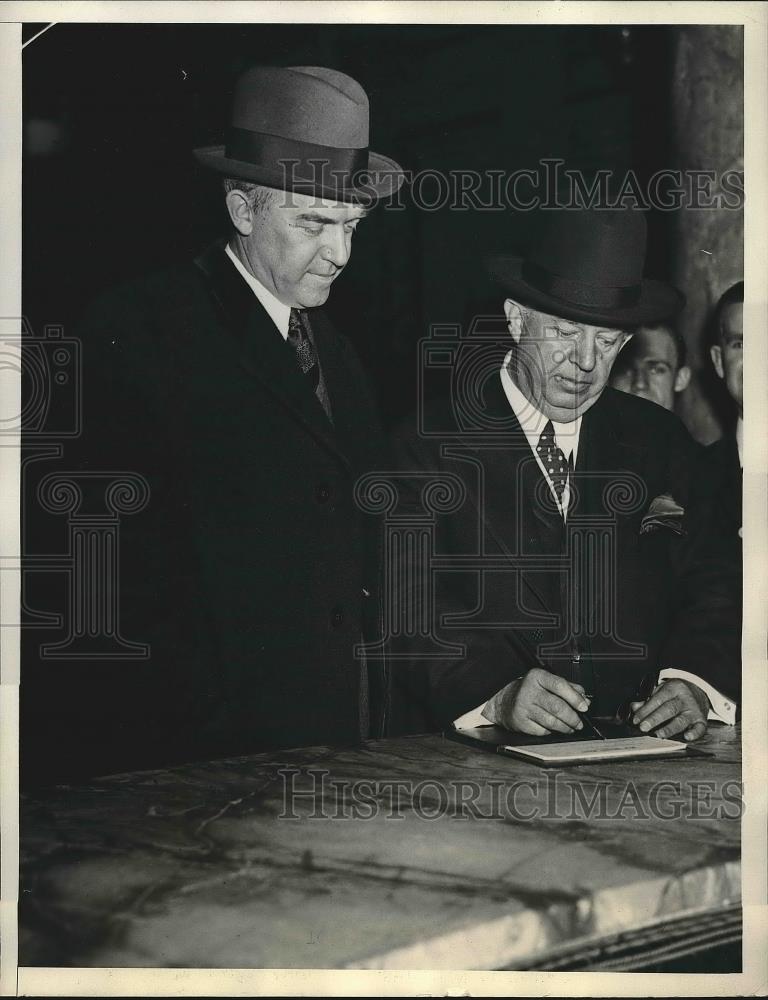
(587, 265)
(303, 128)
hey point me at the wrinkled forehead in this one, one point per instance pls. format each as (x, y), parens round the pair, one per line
(339, 211)
(550, 324)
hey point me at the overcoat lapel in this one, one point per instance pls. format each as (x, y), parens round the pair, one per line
(262, 351)
(352, 431)
(604, 460)
(510, 506)
(515, 506)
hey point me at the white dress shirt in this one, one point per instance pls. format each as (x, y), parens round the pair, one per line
(533, 422)
(740, 440)
(279, 312)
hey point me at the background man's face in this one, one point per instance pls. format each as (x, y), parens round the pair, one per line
(299, 244)
(564, 363)
(727, 355)
(648, 367)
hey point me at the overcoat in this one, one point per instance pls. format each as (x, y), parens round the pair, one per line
(251, 574)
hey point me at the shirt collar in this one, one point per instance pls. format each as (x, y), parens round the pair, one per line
(740, 440)
(278, 311)
(533, 420)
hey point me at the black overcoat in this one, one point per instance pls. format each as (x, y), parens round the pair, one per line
(252, 574)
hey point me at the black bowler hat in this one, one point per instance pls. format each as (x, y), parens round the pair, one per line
(587, 265)
(303, 128)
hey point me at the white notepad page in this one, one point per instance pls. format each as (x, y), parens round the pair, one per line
(631, 746)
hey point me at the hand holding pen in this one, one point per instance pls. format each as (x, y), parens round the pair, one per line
(540, 703)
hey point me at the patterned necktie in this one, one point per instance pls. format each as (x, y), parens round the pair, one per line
(302, 345)
(553, 460)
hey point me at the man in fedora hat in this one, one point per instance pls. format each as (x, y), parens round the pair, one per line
(252, 575)
(578, 575)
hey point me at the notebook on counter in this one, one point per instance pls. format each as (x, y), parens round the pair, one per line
(621, 743)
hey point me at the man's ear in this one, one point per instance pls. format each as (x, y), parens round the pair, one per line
(240, 212)
(682, 378)
(716, 353)
(514, 313)
(627, 334)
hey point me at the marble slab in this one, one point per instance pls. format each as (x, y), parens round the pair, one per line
(414, 853)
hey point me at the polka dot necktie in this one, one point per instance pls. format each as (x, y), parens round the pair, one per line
(302, 345)
(553, 460)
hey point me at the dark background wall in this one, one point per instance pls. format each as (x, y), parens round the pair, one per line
(112, 112)
(708, 128)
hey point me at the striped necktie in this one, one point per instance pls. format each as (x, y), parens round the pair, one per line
(302, 345)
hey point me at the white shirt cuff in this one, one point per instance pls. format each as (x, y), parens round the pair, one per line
(722, 709)
(471, 719)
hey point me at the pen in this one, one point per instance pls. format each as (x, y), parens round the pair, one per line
(586, 719)
(646, 687)
(642, 693)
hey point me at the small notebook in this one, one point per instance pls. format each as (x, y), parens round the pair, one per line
(623, 743)
(586, 751)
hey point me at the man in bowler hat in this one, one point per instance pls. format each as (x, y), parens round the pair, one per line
(584, 578)
(251, 574)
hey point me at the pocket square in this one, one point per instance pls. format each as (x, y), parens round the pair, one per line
(663, 512)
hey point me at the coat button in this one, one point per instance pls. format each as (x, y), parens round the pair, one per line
(322, 493)
(337, 617)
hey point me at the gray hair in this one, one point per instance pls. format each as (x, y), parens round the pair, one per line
(257, 195)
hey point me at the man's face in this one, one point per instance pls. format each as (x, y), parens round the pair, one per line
(647, 367)
(727, 355)
(563, 365)
(298, 245)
